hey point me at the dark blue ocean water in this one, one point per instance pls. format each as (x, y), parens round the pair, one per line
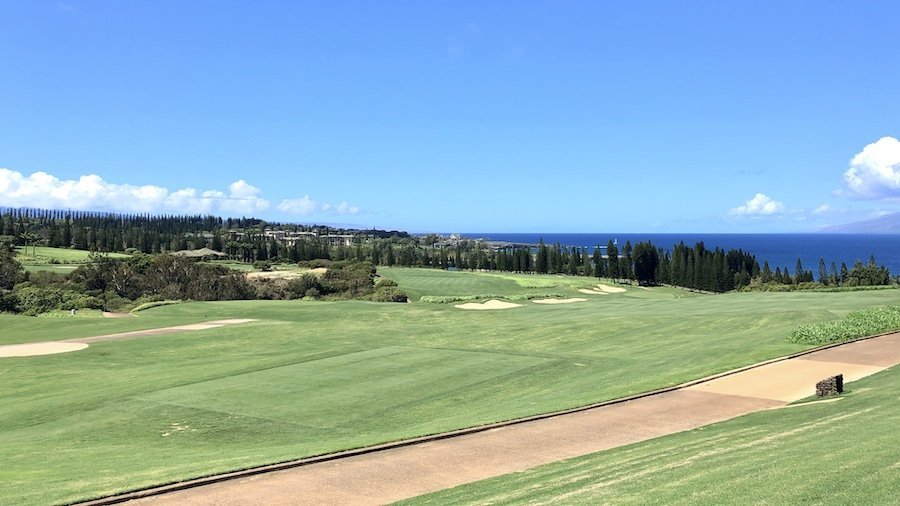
(781, 250)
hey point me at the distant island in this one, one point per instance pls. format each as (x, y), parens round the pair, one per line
(887, 224)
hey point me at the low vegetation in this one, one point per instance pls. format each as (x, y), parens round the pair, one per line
(130, 282)
(860, 323)
(315, 377)
(814, 453)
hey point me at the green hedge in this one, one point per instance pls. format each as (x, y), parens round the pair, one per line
(865, 322)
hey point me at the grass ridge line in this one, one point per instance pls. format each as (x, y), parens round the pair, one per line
(290, 464)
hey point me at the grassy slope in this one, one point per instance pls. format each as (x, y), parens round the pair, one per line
(60, 325)
(420, 282)
(315, 377)
(841, 452)
(38, 259)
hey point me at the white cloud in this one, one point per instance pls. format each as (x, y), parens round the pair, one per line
(874, 172)
(344, 208)
(93, 193)
(759, 205)
(304, 206)
(824, 208)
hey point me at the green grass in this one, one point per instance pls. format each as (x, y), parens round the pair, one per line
(316, 377)
(61, 325)
(466, 285)
(842, 452)
(61, 260)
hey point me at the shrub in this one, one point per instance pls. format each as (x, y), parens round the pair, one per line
(272, 289)
(262, 265)
(389, 294)
(33, 300)
(315, 264)
(384, 283)
(865, 322)
(299, 286)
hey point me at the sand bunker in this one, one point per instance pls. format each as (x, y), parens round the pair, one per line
(80, 343)
(491, 304)
(109, 314)
(591, 291)
(559, 301)
(34, 349)
(610, 289)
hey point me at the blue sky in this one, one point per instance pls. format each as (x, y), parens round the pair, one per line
(555, 116)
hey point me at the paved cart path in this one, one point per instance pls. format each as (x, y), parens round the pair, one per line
(397, 473)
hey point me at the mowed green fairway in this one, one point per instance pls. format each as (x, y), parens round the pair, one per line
(61, 260)
(316, 377)
(842, 452)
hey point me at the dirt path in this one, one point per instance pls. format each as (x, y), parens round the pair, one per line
(80, 343)
(397, 473)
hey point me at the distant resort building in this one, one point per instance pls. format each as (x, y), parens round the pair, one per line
(289, 238)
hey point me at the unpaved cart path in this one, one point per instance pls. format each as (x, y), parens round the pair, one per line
(402, 472)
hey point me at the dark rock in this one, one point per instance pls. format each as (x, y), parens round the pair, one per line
(830, 386)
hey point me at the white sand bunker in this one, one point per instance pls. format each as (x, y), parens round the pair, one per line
(591, 291)
(80, 343)
(110, 314)
(559, 301)
(491, 304)
(34, 349)
(610, 289)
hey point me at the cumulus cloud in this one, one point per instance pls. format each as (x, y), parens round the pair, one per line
(92, 192)
(306, 206)
(874, 172)
(824, 208)
(303, 206)
(759, 205)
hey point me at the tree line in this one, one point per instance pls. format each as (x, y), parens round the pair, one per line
(694, 267)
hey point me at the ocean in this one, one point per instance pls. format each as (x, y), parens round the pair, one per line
(780, 250)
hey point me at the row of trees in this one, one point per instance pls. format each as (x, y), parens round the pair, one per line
(694, 267)
(241, 238)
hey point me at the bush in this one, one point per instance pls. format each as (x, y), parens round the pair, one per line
(272, 289)
(9, 302)
(34, 300)
(262, 265)
(315, 264)
(299, 286)
(389, 294)
(384, 283)
(865, 322)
